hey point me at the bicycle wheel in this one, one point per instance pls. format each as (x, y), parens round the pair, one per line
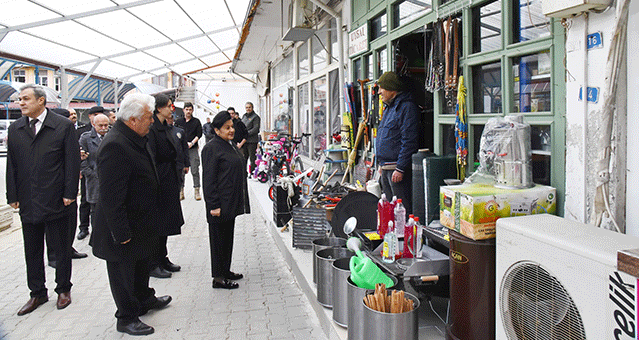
(272, 194)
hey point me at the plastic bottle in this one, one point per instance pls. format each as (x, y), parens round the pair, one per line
(408, 238)
(389, 244)
(382, 207)
(400, 216)
(417, 244)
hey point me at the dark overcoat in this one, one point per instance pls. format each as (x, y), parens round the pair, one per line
(89, 142)
(42, 169)
(128, 204)
(183, 154)
(224, 180)
(170, 216)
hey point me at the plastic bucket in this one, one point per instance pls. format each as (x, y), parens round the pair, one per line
(341, 273)
(324, 243)
(355, 309)
(385, 326)
(325, 273)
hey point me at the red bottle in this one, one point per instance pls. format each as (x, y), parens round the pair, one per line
(407, 248)
(382, 215)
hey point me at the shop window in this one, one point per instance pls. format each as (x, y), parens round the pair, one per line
(44, 79)
(303, 60)
(487, 27)
(487, 88)
(19, 76)
(319, 50)
(532, 82)
(369, 66)
(357, 67)
(303, 118)
(382, 61)
(528, 21)
(319, 88)
(378, 26)
(335, 49)
(56, 86)
(448, 139)
(408, 10)
(477, 136)
(541, 154)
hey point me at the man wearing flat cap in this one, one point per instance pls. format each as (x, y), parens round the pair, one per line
(397, 138)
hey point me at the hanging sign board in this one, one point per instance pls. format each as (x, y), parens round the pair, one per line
(358, 40)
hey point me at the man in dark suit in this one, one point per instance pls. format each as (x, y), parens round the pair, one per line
(125, 231)
(183, 163)
(85, 206)
(43, 166)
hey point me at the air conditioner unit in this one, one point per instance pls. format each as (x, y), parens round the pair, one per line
(557, 280)
(299, 28)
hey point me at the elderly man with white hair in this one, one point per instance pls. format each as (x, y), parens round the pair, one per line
(125, 230)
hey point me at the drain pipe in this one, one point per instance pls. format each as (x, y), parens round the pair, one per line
(338, 17)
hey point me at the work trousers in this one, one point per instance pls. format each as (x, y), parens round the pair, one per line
(129, 282)
(194, 158)
(85, 207)
(249, 152)
(221, 246)
(401, 189)
(59, 241)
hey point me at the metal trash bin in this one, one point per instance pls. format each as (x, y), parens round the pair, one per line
(325, 273)
(355, 317)
(324, 243)
(385, 326)
(341, 273)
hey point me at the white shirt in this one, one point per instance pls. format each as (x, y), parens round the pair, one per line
(40, 118)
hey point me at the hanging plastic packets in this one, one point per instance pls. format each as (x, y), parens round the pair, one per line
(461, 131)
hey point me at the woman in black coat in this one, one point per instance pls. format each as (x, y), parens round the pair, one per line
(165, 148)
(224, 180)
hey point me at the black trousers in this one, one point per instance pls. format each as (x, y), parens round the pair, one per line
(73, 221)
(221, 245)
(161, 253)
(249, 151)
(129, 282)
(85, 207)
(58, 240)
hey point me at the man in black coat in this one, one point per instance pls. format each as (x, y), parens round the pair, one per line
(182, 164)
(125, 232)
(43, 166)
(85, 206)
(241, 134)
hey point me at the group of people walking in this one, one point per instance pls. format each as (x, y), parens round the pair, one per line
(134, 170)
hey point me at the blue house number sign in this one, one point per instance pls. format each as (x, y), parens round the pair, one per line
(594, 40)
(592, 94)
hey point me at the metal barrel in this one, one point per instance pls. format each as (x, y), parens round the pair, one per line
(341, 273)
(385, 326)
(325, 273)
(355, 314)
(324, 243)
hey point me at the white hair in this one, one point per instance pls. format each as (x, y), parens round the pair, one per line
(133, 106)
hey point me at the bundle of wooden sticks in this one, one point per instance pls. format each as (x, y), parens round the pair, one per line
(381, 301)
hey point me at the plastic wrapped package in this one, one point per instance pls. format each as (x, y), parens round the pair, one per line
(505, 154)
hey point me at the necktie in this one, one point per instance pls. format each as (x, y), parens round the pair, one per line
(32, 123)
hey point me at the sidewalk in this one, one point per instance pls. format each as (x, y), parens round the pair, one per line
(269, 304)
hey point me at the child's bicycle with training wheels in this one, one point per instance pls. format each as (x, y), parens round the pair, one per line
(285, 159)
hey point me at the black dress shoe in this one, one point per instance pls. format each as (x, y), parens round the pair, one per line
(52, 264)
(169, 266)
(225, 283)
(159, 303)
(160, 273)
(76, 255)
(83, 233)
(135, 327)
(234, 276)
(32, 304)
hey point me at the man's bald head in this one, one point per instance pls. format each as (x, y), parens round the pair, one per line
(101, 124)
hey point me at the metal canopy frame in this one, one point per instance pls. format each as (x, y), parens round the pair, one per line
(124, 40)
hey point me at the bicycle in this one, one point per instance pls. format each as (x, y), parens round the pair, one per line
(285, 160)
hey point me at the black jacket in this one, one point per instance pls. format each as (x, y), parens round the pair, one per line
(224, 180)
(128, 205)
(89, 142)
(241, 131)
(252, 123)
(166, 150)
(44, 169)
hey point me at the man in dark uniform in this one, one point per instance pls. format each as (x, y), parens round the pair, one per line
(43, 166)
(241, 134)
(85, 206)
(125, 230)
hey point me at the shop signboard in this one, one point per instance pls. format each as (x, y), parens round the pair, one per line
(358, 40)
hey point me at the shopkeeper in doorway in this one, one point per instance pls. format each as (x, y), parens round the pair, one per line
(397, 138)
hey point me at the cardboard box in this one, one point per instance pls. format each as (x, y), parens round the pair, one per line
(473, 210)
(266, 135)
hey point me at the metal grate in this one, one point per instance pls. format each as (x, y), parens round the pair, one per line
(535, 306)
(308, 224)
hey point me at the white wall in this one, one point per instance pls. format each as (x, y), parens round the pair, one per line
(633, 147)
(230, 93)
(584, 123)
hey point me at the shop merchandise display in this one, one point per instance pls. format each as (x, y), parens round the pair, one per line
(388, 301)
